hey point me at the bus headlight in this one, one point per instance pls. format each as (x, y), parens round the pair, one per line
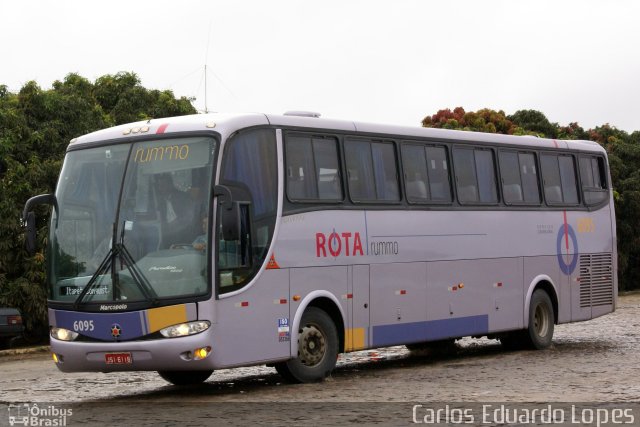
(63, 334)
(184, 329)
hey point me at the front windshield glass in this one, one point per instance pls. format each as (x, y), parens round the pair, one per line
(148, 241)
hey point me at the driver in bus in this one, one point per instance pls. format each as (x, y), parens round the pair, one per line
(175, 208)
(200, 243)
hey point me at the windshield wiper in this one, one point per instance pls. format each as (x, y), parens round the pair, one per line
(119, 250)
(104, 265)
(139, 279)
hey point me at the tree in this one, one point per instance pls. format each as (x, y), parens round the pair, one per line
(125, 100)
(35, 128)
(535, 121)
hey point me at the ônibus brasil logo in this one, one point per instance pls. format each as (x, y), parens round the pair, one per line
(27, 414)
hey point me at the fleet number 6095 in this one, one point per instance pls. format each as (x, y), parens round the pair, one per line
(83, 325)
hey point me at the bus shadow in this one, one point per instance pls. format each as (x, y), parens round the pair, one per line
(360, 363)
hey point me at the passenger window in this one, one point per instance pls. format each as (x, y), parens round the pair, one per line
(465, 175)
(486, 176)
(415, 173)
(360, 170)
(438, 170)
(568, 179)
(529, 174)
(511, 182)
(312, 169)
(592, 175)
(372, 171)
(586, 173)
(301, 183)
(559, 179)
(475, 175)
(519, 178)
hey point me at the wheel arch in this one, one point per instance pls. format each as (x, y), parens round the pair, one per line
(545, 283)
(327, 302)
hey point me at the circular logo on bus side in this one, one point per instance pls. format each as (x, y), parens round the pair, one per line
(566, 235)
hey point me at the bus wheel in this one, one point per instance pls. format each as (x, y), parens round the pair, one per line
(317, 349)
(185, 377)
(541, 321)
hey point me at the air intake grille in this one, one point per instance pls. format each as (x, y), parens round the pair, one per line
(596, 280)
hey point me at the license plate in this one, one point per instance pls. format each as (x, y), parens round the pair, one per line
(118, 358)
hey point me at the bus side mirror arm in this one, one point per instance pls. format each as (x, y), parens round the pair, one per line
(224, 193)
(29, 218)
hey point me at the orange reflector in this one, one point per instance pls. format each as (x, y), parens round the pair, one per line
(272, 264)
(297, 298)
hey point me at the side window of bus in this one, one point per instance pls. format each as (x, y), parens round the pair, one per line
(593, 178)
(250, 171)
(519, 178)
(475, 175)
(438, 169)
(559, 179)
(372, 171)
(313, 171)
(426, 173)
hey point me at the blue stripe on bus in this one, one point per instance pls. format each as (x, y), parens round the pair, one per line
(430, 330)
(98, 325)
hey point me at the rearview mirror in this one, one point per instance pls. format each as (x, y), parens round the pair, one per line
(29, 218)
(30, 233)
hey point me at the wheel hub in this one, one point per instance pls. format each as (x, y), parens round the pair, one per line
(541, 321)
(311, 345)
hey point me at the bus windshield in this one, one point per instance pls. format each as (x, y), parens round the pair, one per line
(132, 222)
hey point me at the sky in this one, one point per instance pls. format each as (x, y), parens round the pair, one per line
(386, 61)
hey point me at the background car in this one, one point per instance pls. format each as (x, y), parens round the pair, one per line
(10, 325)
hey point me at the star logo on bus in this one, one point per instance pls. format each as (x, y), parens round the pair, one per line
(116, 330)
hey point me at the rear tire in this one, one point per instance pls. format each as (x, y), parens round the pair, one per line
(185, 377)
(317, 349)
(541, 321)
(539, 334)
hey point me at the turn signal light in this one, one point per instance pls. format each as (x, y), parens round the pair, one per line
(201, 353)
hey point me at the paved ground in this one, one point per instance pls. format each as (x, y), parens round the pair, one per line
(595, 361)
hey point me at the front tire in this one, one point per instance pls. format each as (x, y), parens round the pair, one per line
(317, 349)
(185, 377)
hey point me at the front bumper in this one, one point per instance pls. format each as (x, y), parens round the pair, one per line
(147, 355)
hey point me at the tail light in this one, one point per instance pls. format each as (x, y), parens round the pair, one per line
(14, 320)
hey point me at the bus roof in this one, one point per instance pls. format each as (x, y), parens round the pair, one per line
(226, 124)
